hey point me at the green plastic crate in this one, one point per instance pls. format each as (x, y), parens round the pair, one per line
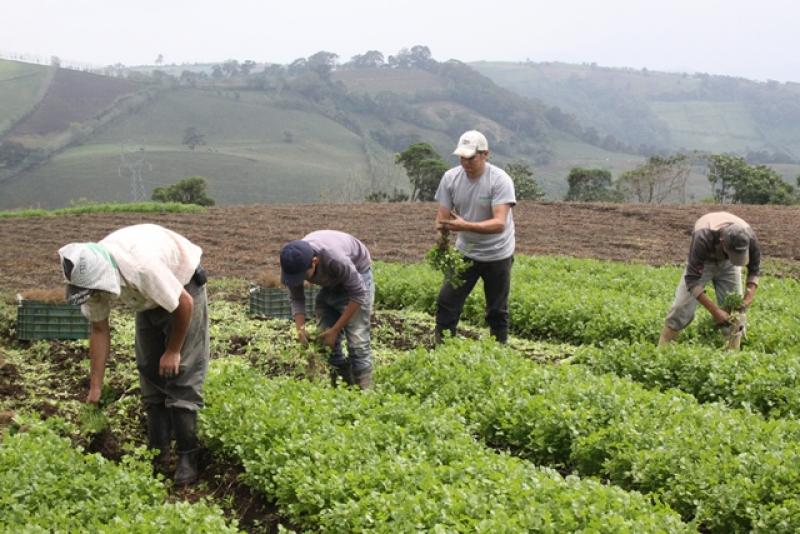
(273, 302)
(41, 320)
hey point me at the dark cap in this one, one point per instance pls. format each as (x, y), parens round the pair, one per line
(296, 259)
(736, 243)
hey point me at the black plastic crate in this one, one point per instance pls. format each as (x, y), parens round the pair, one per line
(273, 302)
(41, 320)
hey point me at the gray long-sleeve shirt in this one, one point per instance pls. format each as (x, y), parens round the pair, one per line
(342, 260)
(706, 247)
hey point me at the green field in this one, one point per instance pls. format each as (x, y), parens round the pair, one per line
(21, 86)
(254, 152)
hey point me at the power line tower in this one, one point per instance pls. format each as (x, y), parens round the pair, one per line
(134, 164)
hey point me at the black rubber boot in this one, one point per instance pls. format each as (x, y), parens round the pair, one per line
(500, 335)
(185, 424)
(159, 435)
(341, 375)
(364, 379)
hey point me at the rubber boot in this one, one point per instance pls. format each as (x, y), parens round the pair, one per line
(185, 424)
(668, 335)
(501, 335)
(159, 435)
(341, 375)
(364, 379)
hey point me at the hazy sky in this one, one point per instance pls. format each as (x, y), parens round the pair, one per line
(746, 38)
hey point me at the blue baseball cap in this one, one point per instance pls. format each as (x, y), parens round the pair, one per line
(296, 259)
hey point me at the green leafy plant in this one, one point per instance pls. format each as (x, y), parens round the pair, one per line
(448, 260)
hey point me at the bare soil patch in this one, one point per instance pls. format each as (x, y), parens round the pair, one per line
(243, 241)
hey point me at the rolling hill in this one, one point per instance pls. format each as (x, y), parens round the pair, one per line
(310, 134)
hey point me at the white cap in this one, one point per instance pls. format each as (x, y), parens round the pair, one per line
(471, 142)
(88, 266)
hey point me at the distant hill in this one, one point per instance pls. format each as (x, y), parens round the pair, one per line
(318, 131)
(669, 111)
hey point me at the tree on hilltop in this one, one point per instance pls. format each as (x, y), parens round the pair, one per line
(190, 190)
(193, 138)
(424, 167)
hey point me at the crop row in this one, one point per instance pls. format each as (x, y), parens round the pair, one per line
(589, 301)
(765, 383)
(342, 461)
(50, 486)
(727, 470)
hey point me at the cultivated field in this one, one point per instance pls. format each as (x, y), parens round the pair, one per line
(243, 241)
(471, 436)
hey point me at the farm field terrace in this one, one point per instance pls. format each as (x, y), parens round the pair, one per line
(580, 423)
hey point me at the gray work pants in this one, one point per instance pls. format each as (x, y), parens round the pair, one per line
(726, 277)
(152, 333)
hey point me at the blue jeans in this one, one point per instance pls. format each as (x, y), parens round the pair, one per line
(331, 302)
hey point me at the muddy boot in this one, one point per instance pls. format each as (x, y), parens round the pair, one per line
(668, 335)
(341, 376)
(185, 424)
(364, 380)
(159, 435)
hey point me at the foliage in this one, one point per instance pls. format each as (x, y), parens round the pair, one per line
(424, 167)
(615, 301)
(191, 190)
(48, 485)
(397, 195)
(525, 186)
(693, 457)
(658, 180)
(132, 207)
(192, 138)
(447, 259)
(765, 383)
(591, 185)
(734, 181)
(416, 469)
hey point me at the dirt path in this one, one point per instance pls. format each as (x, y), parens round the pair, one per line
(244, 241)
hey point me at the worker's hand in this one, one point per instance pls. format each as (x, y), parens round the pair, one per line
(721, 317)
(454, 224)
(94, 396)
(328, 337)
(748, 299)
(302, 336)
(169, 365)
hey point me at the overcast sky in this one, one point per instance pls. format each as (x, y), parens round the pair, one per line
(746, 38)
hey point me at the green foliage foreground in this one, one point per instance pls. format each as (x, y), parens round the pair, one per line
(726, 470)
(49, 486)
(583, 301)
(343, 461)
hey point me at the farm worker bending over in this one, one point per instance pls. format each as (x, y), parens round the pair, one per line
(157, 273)
(721, 244)
(341, 264)
(475, 200)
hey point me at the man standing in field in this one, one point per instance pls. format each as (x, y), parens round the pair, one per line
(342, 265)
(475, 200)
(721, 244)
(157, 273)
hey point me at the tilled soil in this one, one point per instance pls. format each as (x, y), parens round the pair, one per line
(243, 241)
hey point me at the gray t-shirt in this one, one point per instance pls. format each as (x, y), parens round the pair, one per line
(342, 261)
(473, 200)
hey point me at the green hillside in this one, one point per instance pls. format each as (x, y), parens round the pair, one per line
(21, 87)
(667, 110)
(317, 130)
(254, 152)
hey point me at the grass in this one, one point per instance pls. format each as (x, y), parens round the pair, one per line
(133, 207)
(20, 90)
(246, 159)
